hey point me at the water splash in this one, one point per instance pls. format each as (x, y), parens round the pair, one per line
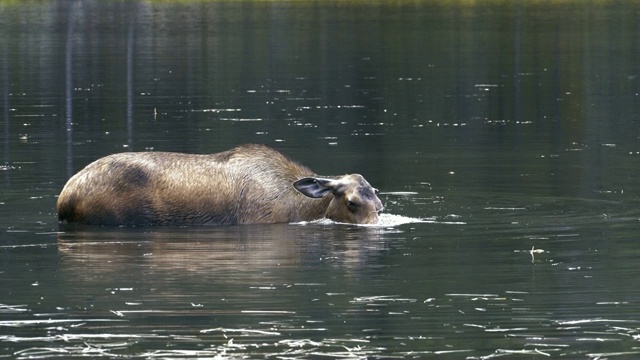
(386, 220)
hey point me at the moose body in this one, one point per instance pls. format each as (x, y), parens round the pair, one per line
(246, 185)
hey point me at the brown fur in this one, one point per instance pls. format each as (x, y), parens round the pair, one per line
(248, 184)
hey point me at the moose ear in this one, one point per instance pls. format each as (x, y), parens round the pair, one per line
(314, 187)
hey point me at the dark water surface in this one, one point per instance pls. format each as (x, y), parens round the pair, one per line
(511, 130)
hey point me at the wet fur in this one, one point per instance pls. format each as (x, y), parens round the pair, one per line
(248, 184)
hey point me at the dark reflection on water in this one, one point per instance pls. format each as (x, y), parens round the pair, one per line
(510, 130)
(305, 290)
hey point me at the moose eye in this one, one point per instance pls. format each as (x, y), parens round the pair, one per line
(352, 206)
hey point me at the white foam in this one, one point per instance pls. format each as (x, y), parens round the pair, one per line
(386, 220)
(395, 220)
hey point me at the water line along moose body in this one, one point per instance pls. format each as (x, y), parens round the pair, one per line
(246, 185)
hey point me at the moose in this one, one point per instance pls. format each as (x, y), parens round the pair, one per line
(249, 184)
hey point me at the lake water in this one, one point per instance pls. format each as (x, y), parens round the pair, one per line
(504, 138)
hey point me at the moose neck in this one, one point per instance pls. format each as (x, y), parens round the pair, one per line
(312, 209)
